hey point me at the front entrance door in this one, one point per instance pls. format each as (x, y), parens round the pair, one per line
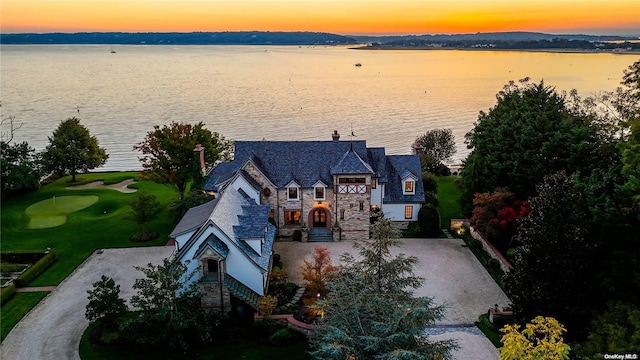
(319, 218)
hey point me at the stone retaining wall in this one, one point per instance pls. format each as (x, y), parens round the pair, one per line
(492, 251)
(307, 329)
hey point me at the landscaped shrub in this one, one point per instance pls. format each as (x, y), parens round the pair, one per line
(493, 263)
(9, 268)
(286, 336)
(429, 221)
(277, 261)
(297, 235)
(7, 293)
(474, 244)
(36, 269)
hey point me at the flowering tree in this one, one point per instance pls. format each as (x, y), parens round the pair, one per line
(540, 340)
(496, 214)
(318, 272)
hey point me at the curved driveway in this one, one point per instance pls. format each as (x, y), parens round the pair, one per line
(52, 330)
(453, 276)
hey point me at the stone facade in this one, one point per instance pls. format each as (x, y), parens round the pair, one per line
(215, 297)
(351, 211)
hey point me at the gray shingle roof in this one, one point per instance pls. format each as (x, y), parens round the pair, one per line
(235, 216)
(306, 162)
(215, 244)
(351, 163)
(194, 218)
(399, 166)
(282, 161)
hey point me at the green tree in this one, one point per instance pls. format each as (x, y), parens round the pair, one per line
(168, 299)
(168, 152)
(553, 271)
(528, 134)
(21, 167)
(370, 311)
(616, 331)
(541, 339)
(145, 208)
(72, 149)
(105, 304)
(438, 146)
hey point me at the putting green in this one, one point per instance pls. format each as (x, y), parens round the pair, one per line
(53, 212)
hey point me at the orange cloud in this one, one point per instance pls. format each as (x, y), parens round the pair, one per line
(345, 17)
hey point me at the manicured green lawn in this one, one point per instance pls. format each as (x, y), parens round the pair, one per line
(18, 307)
(448, 196)
(233, 349)
(53, 212)
(105, 224)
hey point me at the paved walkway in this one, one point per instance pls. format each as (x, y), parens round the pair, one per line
(52, 330)
(452, 274)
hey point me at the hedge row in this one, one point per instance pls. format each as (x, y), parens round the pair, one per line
(6, 293)
(36, 269)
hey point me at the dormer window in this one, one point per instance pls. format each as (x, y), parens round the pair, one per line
(292, 193)
(409, 187)
(319, 191)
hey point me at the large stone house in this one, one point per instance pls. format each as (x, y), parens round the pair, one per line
(319, 186)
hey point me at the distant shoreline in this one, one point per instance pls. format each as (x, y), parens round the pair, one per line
(561, 51)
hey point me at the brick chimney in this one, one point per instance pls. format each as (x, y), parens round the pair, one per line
(417, 148)
(200, 149)
(335, 136)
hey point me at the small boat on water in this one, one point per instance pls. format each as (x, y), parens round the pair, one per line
(358, 65)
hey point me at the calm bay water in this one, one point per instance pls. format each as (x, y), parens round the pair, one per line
(274, 92)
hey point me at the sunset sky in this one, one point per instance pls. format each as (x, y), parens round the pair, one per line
(349, 17)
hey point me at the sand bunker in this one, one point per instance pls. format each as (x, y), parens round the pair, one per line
(121, 186)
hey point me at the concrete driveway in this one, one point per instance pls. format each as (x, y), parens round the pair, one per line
(52, 330)
(453, 276)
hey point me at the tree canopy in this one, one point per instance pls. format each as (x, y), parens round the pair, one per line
(437, 146)
(528, 134)
(541, 339)
(553, 267)
(21, 167)
(168, 153)
(370, 311)
(72, 149)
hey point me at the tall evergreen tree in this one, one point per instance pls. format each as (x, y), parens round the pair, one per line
(553, 272)
(528, 134)
(370, 311)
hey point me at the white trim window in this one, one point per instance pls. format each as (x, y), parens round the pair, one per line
(319, 193)
(293, 191)
(408, 187)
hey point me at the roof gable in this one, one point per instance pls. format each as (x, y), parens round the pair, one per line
(351, 163)
(283, 161)
(401, 167)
